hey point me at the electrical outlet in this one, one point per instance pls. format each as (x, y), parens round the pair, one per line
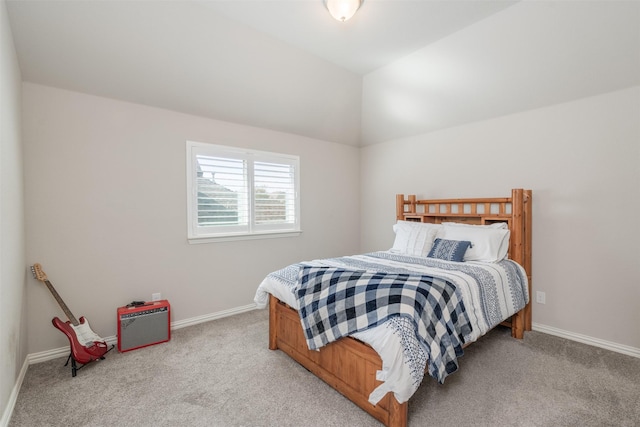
(541, 298)
(156, 297)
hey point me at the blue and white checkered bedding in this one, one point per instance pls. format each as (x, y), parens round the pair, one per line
(490, 292)
(336, 302)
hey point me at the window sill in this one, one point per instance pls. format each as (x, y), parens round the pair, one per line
(234, 237)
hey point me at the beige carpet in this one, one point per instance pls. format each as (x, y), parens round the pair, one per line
(221, 374)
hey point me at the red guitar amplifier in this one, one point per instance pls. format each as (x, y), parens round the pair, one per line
(144, 325)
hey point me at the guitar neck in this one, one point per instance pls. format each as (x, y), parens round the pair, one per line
(63, 306)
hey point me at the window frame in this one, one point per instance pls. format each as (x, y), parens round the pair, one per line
(206, 234)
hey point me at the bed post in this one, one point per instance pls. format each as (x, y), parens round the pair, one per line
(521, 252)
(528, 212)
(399, 206)
(517, 252)
(273, 326)
(398, 412)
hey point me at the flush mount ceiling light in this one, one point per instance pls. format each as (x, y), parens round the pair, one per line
(342, 10)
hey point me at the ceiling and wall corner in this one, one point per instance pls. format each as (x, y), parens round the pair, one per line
(183, 56)
(381, 32)
(397, 68)
(531, 55)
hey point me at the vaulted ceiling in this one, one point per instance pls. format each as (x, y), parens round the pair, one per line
(397, 69)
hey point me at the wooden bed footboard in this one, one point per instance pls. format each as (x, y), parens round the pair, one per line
(347, 365)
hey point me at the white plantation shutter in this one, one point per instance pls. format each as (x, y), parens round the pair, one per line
(274, 194)
(222, 193)
(235, 192)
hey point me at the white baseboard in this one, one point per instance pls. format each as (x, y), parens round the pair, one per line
(596, 342)
(46, 355)
(213, 316)
(13, 397)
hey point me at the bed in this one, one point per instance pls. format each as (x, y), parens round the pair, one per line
(378, 368)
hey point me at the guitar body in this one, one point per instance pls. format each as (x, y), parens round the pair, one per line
(86, 345)
(83, 352)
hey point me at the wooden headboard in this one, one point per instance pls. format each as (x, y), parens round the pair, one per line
(514, 210)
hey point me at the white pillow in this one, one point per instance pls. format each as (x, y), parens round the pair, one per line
(488, 244)
(414, 238)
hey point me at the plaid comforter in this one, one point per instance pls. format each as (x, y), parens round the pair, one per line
(336, 302)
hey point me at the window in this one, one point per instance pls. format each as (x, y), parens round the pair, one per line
(236, 193)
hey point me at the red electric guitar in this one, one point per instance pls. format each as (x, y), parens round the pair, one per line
(86, 345)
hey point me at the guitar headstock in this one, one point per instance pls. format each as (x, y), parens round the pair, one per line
(36, 269)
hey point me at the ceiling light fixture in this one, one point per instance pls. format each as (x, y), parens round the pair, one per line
(342, 10)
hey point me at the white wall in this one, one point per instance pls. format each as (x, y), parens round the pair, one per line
(13, 348)
(106, 210)
(582, 161)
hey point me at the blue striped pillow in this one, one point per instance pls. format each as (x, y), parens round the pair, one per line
(450, 250)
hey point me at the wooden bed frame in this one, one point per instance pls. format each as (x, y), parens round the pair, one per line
(349, 365)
